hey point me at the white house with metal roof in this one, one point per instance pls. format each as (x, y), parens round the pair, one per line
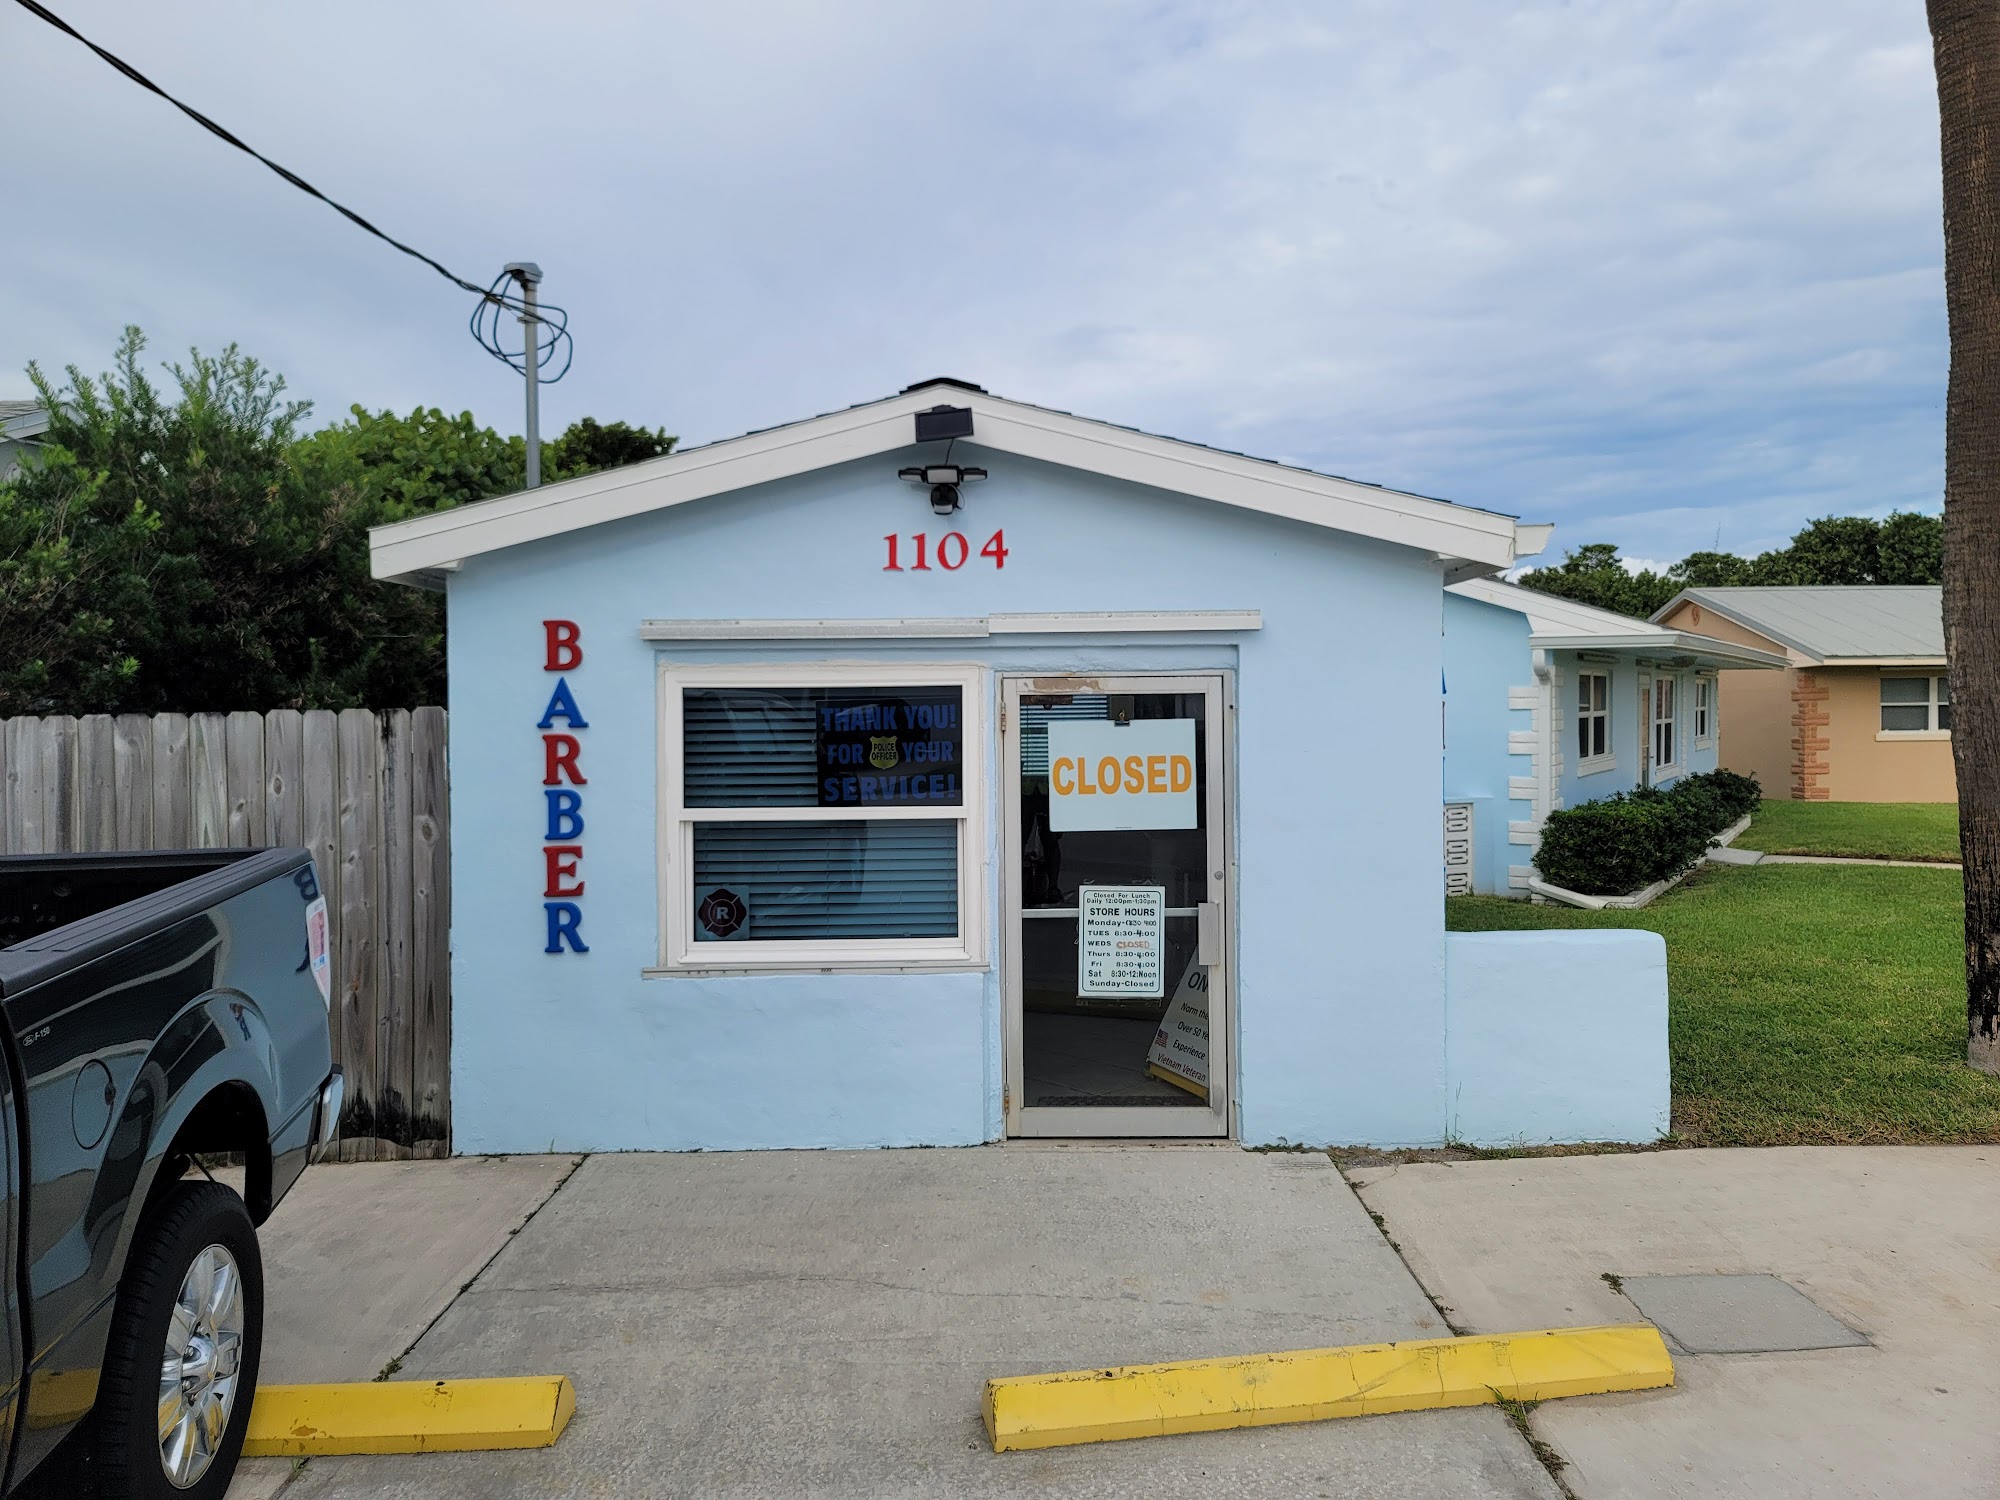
(949, 768)
(1549, 703)
(1862, 711)
(22, 424)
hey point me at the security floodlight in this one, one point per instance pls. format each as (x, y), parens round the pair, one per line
(944, 481)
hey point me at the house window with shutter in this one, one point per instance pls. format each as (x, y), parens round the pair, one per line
(1666, 737)
(1593, 723)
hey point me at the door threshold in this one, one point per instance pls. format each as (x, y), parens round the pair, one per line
(1114, 1142)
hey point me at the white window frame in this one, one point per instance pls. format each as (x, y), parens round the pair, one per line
(679, 952)
(1592, 765)
(1937, 696)
(1665, 768)
(1705, 701)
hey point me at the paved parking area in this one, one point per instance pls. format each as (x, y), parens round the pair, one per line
(360, 1259)
(1899, 1245)
(820, 1323)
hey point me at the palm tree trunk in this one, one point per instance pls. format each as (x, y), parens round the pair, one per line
(1965, 39)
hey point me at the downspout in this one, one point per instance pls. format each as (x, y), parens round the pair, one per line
(1545, 746)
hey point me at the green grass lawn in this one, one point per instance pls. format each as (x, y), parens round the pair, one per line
(1861, 830)
(1810, 1004)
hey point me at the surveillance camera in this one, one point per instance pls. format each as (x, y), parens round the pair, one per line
(943, 480)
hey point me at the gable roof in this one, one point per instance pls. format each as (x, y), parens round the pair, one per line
(1858, 623)
(22, 419)
(1556, 624)
(1468, 541)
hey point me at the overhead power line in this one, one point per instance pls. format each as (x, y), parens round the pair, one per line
(485, 317)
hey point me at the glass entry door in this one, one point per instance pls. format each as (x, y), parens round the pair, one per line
(1115, 920)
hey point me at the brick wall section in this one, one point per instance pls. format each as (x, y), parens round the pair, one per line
(1809, 742)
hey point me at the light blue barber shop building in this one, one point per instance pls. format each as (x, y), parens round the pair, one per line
(948, 769)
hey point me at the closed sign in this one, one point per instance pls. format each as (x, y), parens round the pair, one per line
(1112, 776)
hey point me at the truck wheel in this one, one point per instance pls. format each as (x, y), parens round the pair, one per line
(180, 1369)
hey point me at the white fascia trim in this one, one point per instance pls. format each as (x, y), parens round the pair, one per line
(1081, 622)
(1531, 539)
(1125, 622)
(1705, 651)
(1546, 613)
(656, 484)
(1937, 662)
(1251, 484)
(1453, 531)
(812, 630)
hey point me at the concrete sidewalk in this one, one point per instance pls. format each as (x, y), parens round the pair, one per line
(1900, 1244)
(821, 1323)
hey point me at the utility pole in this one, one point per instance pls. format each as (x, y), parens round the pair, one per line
(530, 276)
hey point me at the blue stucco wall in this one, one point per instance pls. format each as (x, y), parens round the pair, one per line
(1573, 787)
(1486, 652)
(1340, 949)
(1557, 1037)
(1627, 727)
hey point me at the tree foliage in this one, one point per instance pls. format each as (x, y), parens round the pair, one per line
(181, 548)
(588, 446)
(1904, 548)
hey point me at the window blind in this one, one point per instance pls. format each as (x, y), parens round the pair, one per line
(821, 881)
(745, 747)
(1035, 721)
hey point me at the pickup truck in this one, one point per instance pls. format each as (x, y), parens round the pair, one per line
(157, 1011)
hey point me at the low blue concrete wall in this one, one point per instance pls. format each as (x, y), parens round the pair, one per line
(1556, 1036)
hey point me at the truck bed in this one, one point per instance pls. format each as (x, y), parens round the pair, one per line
(39, 893)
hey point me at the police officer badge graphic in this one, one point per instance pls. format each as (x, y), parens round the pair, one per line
(883, 753)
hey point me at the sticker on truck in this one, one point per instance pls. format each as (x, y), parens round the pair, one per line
(317, 957)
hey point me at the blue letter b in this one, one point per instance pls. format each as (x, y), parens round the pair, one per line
(565, 815)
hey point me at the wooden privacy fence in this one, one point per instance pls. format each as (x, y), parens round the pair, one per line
(364, 791)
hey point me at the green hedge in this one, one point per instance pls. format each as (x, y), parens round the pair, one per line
(1623, 843)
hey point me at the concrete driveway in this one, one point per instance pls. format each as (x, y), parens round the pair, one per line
(1898, 1245)
(820, 1323)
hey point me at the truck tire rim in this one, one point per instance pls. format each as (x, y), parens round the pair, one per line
(201, 1367)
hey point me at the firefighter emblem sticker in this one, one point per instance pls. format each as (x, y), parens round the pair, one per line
(722, 914)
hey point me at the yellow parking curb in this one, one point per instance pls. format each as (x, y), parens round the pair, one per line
(1308, 1385)
(409, 1416)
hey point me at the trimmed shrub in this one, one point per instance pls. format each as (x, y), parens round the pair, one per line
(1623, 843)
(1739, 794)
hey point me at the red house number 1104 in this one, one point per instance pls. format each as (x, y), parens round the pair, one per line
(952, 551)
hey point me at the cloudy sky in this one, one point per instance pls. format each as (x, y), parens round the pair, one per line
(1659, 272)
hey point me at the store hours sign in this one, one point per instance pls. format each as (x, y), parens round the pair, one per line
(1121, 946)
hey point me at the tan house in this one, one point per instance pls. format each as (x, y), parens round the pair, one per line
(1864, 712)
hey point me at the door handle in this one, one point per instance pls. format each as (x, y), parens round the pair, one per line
(1208, 934)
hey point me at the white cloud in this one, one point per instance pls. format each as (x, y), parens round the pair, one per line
(1643, 271)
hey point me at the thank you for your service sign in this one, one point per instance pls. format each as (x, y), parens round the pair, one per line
(1115, 776)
